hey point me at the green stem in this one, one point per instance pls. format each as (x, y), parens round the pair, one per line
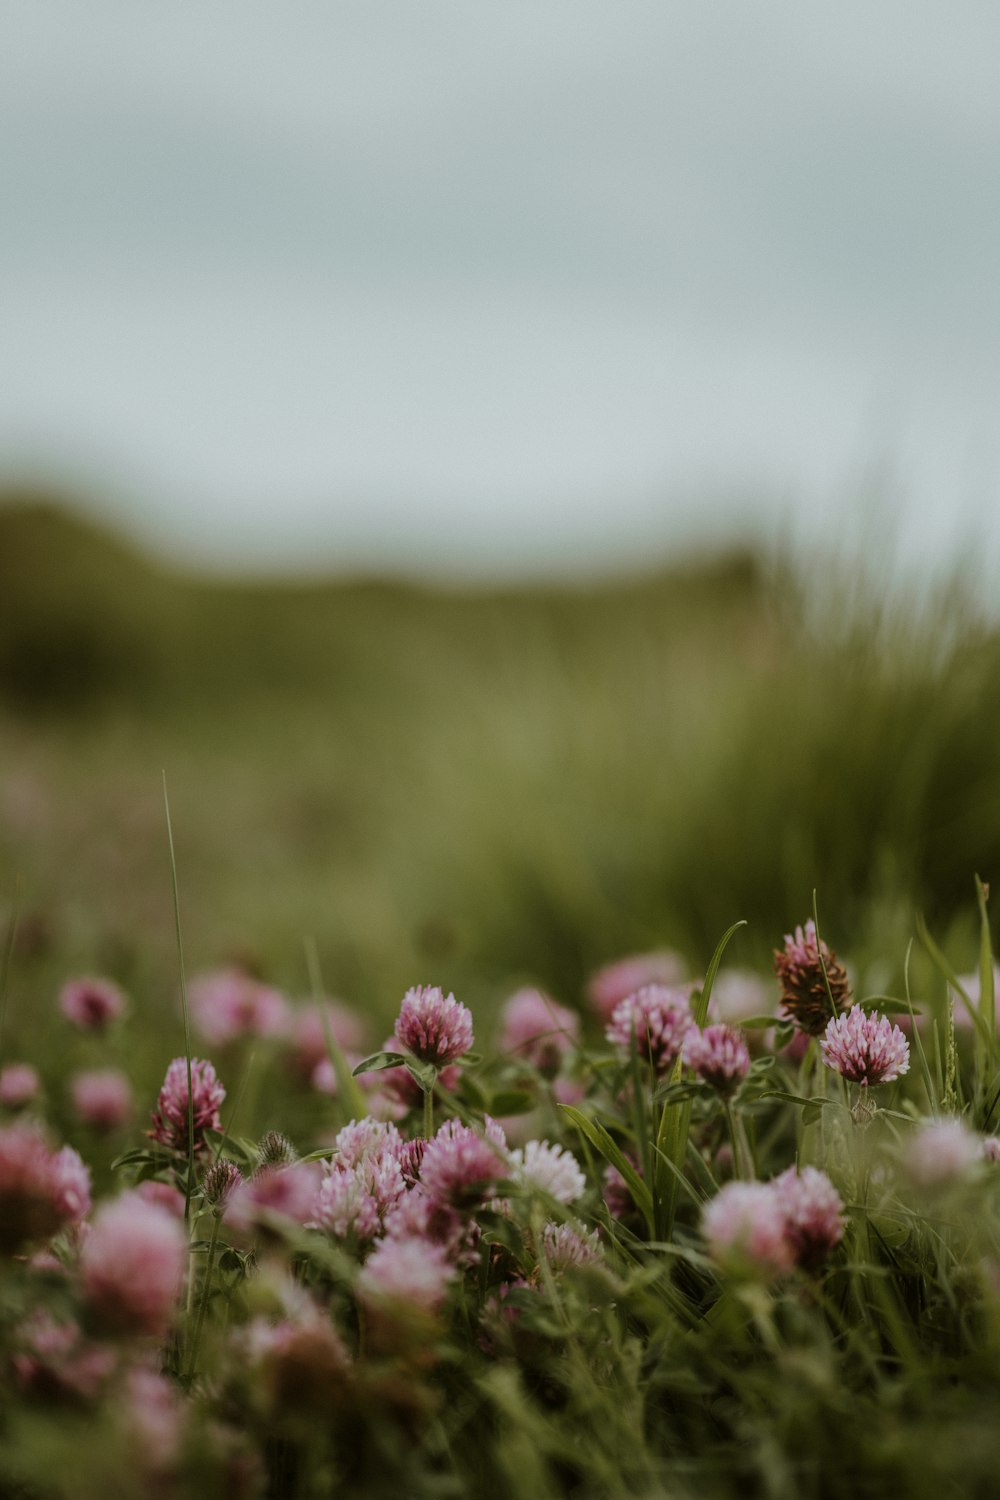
(428, 1114)
(739, 1155)
(203, 1302)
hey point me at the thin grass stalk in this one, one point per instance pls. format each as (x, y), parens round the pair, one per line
(822, 962)
(8, 953)
(348, 1090)
(227, 1130)
(675, 1122)
(203, 1299)
(742, 1166)
(914, 1033)
(189, 1185)
(987, 997)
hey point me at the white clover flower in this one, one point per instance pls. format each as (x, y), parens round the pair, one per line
(549, 1169)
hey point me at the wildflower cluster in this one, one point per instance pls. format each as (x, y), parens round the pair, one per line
(644, 1198)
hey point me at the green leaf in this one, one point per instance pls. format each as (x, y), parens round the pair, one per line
(613, 1154)
(945, 969)
(379, 1061)
(815, 1103)
(701, 1008)
(987, 998)
(473, 1094)
(423, 1073)
(141, 1156)
(676, 1093)
(758, 1023)
(762, 1065)
(499, 1230)
(237, 1148)
(888, 1005)
(232, 1260)
(692, 1192)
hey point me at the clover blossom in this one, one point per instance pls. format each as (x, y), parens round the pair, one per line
(809, 974)
(718, 1055)
(164, 1196)
(418, 1215)
(220, 1182)
(744, 1225)
(360, 1139)
(538, 1030)
(459, 1167)
(41, 1191)
(132, 1265)
(865, 1049)
(54, 1359)
(170, 1118)
(230, 1003)
(567, 1246)
(813, 1212)
(657, 1018)
(91, 1003)
(19, 1085)
(941, 1152)
(102, 1098)
(548, 1169)
(616, 981)
(435, 1027)
(286, 1192)
(411, 1273)
(364, 1181)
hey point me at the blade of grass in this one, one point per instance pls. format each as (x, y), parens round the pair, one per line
(227, 1130)
(822, 962)
(8, 953)
(613, 1154)
(701, 1007)
(675, 1121)
(945, 969)
(639, 1107)
(987, 996)
(348, 1090)
(189, 1184)
(915, 1034)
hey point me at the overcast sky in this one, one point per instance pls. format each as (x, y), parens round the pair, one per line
(501, 287)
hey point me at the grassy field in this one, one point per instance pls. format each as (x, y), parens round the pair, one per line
(481, 789)
(476, 787)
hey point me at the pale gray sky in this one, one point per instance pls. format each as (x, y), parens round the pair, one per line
(500, 287)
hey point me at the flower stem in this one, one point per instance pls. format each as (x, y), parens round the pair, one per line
(203, 1301)
(428, 1114)
(741, 1166)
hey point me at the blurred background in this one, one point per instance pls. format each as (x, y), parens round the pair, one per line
(529, 475)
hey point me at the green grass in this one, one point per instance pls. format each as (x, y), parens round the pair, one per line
(472, 787)
(388, 785)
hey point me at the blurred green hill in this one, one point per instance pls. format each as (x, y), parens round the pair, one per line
(474, 786)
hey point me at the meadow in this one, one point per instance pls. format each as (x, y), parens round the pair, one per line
(374, 787)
